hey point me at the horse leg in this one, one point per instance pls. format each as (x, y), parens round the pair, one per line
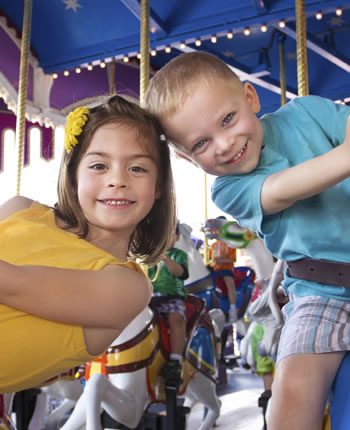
(99, 394)
(77, 419)
(55, 417)
(69, 392)
(126, 402)
(204, 391)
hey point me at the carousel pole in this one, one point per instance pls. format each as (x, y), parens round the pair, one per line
(111, 77)
(144, 49)
(303, 84)
(283, 83)
(22, 91)
(206, 245)
(144, 71)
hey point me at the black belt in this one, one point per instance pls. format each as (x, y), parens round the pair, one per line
(322, 271)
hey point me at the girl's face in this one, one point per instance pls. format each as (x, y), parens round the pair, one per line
(116, 181)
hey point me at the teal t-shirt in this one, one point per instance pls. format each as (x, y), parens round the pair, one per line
(316, 227)
(167, 283)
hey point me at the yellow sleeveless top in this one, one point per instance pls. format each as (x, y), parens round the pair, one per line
(33, 349)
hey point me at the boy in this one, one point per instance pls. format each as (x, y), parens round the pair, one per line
(222, 260)
(285, 177)
(169, 295)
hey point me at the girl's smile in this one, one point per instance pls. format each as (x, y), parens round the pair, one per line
(116, 182)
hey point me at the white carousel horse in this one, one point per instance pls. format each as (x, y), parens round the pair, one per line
(197, 269)
(69, 392)
(266, 310)
(125, 395)
(202, 282)
(235, 236)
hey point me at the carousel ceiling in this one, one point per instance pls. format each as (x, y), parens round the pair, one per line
(83, 38)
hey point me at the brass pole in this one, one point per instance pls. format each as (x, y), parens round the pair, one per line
(303, 85)
(206, 246)
(144, 49)
(111, 77)
(283, 82)
(22, 91)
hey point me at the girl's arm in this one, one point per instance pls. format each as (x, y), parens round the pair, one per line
(284, 188)
(13, 205)
(108, 298)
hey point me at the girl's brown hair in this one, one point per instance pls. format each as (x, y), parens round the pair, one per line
(153, 234)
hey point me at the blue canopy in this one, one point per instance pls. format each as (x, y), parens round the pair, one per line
(71, 34)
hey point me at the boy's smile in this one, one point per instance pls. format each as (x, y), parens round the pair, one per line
(217, 127)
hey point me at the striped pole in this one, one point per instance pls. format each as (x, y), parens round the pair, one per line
(144, 49)
(22, 91)
(303, 84)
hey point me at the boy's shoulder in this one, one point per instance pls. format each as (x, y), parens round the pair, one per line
(305, 103)
(300, 109)
(311, 102)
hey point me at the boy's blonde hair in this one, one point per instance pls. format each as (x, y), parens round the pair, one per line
(178, 79)
(153, 234)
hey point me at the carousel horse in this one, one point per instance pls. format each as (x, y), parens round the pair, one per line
(66, 388)
(128, 379)
(209, 285)
(235, 236)
(266, 310)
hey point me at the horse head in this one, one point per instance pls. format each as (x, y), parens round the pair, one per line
(196, 268)
(229, 232)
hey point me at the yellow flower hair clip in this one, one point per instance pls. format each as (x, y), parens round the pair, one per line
(74, 127)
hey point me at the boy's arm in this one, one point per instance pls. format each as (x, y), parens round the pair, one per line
(108, 298)
(174, 268)
(307, 179)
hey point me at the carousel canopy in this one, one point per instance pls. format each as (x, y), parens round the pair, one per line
(81, 48)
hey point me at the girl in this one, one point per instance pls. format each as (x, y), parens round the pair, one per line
(69, 283)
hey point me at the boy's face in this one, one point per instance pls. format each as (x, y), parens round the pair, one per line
(217, 128)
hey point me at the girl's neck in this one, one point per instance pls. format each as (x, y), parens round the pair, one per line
(115, 243)
(111, 243)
